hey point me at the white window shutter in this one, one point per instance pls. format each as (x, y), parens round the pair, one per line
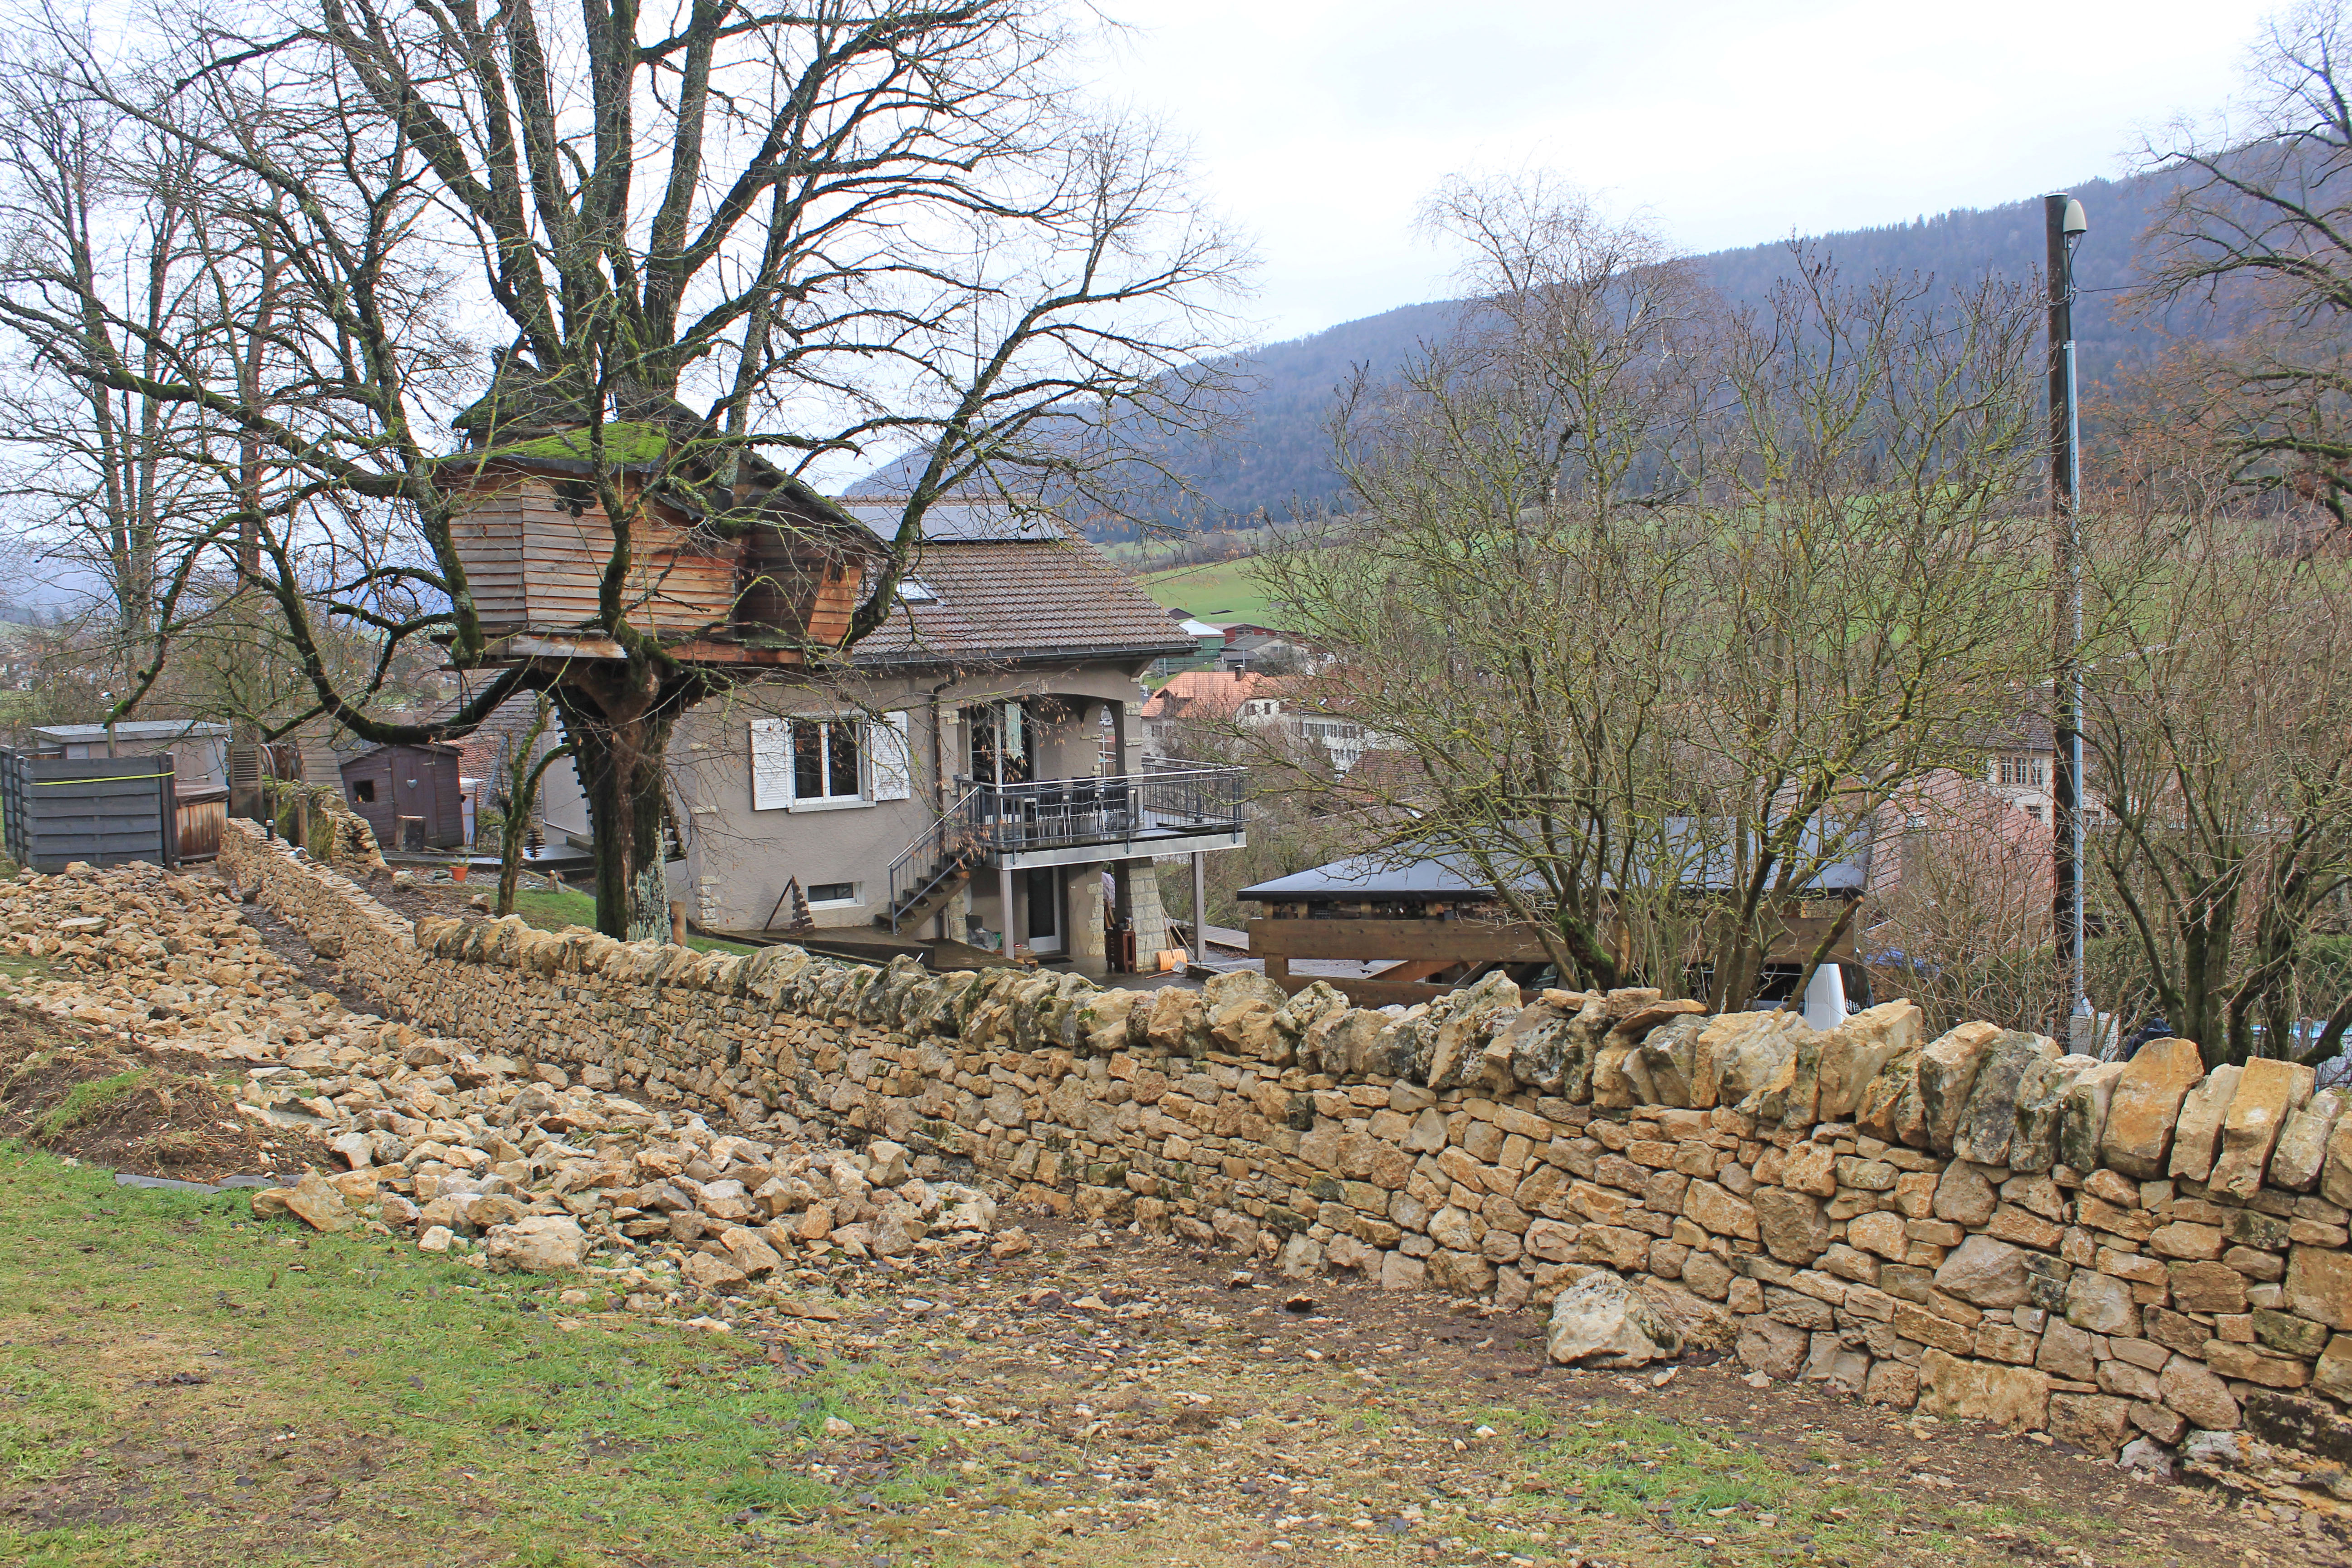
(772, 765)
(892, 765)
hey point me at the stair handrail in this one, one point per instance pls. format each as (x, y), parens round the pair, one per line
(931, 845)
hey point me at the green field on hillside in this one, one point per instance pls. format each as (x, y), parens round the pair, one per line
(1216, 592)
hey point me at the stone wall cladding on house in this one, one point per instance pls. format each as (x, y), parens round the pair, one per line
(1973, 1224)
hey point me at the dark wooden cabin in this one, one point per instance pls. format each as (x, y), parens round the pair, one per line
(775, 579)
(391, 781)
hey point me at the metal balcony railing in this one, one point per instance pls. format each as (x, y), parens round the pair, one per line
(1126, 810)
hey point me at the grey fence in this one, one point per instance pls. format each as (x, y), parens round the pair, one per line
(103, 810)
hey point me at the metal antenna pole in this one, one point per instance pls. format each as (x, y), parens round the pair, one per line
(2064, 225)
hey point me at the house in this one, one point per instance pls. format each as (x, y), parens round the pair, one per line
(972, 771)
(1198, 701)
(1267, 649)
(1208, 642)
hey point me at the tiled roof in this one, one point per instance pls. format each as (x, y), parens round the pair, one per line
(1210, 693)
(995, 601)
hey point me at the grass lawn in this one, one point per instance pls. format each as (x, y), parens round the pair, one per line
(180, 1384)
(1216, 592)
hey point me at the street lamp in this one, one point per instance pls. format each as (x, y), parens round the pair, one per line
(2065, 224)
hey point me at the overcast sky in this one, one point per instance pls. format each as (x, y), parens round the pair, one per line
(1321, 125)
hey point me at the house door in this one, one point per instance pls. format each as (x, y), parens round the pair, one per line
(999, 732)
(1045, 923)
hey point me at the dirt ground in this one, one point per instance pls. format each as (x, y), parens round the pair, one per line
(133, 1107)
(1156, 1342)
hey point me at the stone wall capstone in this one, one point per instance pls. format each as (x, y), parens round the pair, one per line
(1973, 1224)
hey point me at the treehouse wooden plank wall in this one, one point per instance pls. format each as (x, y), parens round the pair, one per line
(759, 587)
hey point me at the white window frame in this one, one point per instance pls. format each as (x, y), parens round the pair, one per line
(856, 899)
(885, 763)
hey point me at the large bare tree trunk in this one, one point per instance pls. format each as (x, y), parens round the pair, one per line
(620, 743)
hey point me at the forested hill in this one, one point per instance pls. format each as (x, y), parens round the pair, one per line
(1277, 456)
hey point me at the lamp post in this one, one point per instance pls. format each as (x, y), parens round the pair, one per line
(2065, 224)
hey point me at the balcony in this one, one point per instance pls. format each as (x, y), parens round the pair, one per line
(1040, 824)
(1065, 821)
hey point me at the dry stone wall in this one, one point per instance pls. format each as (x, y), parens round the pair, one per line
(1973, 1224)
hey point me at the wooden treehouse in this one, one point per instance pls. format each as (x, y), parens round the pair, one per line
(768, 578)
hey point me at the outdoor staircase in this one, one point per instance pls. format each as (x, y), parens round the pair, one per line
(941, 881)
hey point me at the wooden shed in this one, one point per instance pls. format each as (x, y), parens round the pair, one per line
(390, 783)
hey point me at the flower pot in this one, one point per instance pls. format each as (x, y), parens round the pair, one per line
(457, 872)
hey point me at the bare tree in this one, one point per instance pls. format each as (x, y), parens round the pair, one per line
(861, 224)
(1501, 598)
(2258, 235)
(1658, 609)
(1868, 572)
(2218, 724)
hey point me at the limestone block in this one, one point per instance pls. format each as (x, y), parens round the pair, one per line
(2197, 1133)
(2302, 1153)
(1988, 1119)
(1611, 1088)
(1750, 1059)
(2189, 1388)
(1811, 1168)
(1879, 1113)
(2041, 1106)
(1948, 1071)
(2269, 1091)
(1602, 1321)
(1713, 1051)
(2144, 1104)
(1984, 1273)
(2336, 1176)
(1892, 1383)
(1772, 1348)
(1880, 1233)
(1963, 1195)
(1715, 1210)
(2091, 1421)
(1540, 1037)
(2066, 1351)
(1790, 1225)
(2082, 1116)
(1667, 1060)
(2319, 1285)
(2016, 1397)
(2331, 1374)
(1853, 1054)
(2100, 1304)
(1829, 1360)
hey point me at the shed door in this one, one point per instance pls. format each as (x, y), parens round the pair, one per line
(411, 788)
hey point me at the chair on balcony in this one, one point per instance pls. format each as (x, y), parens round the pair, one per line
(1085, 809)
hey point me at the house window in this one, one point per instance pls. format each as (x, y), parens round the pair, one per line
(818, 764)
(824, 759)
(832, 893)
(2022, 769)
